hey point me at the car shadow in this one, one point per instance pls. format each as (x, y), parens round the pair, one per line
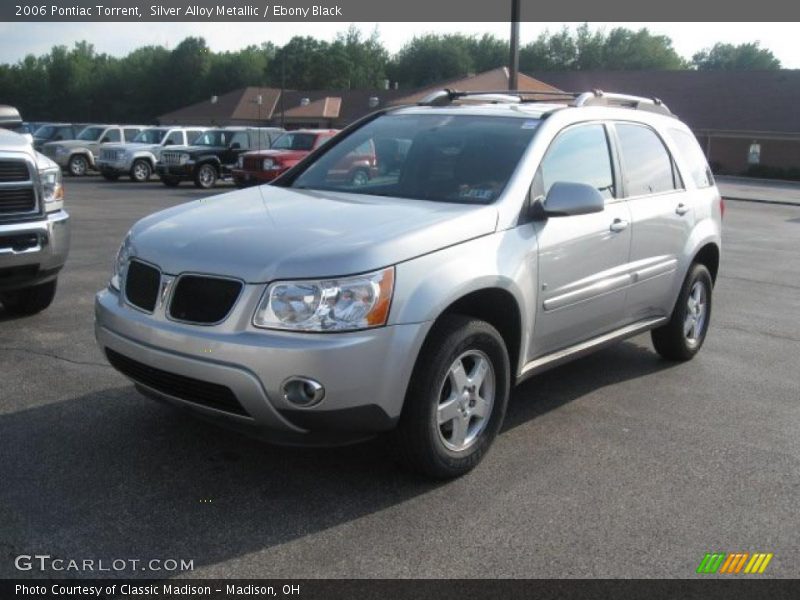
(111, 474)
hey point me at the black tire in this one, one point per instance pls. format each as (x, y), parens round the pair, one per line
(29, 301)
(359, 177)
(141, 170)
(170, 181)
(672, 341)
(419, 439)
(110, 176)
(206, 176)
(78, 165)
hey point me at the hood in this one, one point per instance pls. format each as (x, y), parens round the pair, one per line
(266, 233)
(14, 141)
(70, 143)
(131, 146)
(199, 149)
(279, 153)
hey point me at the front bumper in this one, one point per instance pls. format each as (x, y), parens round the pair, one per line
(32, 264)
(365, 373)
(185, 171)
(244, 177)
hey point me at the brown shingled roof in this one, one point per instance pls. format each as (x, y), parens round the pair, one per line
(494, 80)
(239, 104)
(744, 101)
(324, 108)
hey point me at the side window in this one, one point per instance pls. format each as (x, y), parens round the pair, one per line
(111, 135)
(175, 138)
(192, 135)
(646, 162)
(240, 137)
(578, 155)
(131, 133)
(691, 152)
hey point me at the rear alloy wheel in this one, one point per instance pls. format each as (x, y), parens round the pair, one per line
(29, 301)
(78, 166)
(206, 177)
(683, 336)
(456, 400)
(141, 170)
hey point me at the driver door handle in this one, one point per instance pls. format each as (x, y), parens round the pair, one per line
(681, 209)
(619, 225)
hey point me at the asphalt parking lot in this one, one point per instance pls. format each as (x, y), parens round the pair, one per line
(617, 465)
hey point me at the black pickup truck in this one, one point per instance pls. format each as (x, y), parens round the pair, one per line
(213, 156)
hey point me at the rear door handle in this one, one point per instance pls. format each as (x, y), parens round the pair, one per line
(619, 225)
(681, 209)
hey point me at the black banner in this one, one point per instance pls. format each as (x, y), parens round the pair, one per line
(381, 11)
(404, 589)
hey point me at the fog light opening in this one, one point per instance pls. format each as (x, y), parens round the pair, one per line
(303, 391)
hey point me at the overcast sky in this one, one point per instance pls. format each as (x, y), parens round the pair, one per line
(20, 39)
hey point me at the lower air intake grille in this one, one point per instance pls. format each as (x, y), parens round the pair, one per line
(17, 200)
(141, 285)
(203, 300)
(200, 392)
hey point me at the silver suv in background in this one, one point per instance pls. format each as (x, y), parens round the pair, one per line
(34, 227)
(78, 156)
(138, 158)
(512, 235)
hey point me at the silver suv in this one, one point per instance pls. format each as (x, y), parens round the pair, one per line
(79, 156)
(500, 235)
(138, 157)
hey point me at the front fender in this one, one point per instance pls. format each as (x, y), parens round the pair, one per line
(426, 286)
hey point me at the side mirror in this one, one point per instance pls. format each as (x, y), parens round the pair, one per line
(58, 138)
(105, 140)
(168, 142)
(235, 146)
(566, 199)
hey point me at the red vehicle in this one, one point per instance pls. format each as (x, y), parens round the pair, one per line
(262, 166)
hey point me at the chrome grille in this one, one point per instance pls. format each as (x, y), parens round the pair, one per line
(111, 155)
(172, 158)
(17, 192)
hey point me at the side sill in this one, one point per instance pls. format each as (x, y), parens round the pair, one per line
(554, 359)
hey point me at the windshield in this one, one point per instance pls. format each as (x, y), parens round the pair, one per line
(295, 141)
(150, 136)
(91, 134)
(215, 138)
(45, 131)
(445, 158)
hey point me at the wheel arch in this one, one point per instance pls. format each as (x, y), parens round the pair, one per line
(709, 255)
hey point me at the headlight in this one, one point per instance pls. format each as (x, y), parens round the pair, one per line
(240, 162)
(52, 188)
(183, 159)
(269, 164)
(349, 303)
(61, 150)
(121, 263)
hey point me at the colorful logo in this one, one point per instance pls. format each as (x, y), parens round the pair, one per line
(734, 562)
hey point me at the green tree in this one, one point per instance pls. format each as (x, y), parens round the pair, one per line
(727, 57)
(432, 58)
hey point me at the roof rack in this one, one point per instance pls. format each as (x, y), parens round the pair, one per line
(593, 98)
(600, 98)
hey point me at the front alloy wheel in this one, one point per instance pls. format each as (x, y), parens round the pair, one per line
(141, 171)
(456, 399)
(78, 165)
(206, 177)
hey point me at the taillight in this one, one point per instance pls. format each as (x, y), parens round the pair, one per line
(722, 208)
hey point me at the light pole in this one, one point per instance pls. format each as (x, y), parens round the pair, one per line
(513, 59)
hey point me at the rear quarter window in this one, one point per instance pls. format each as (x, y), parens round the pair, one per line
(699, 170)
